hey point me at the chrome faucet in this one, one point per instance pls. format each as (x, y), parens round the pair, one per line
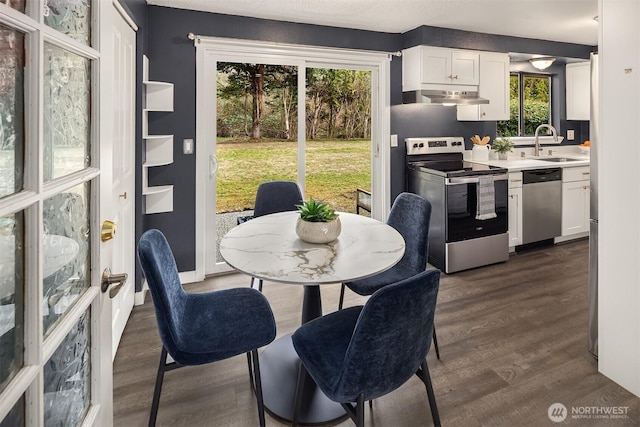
(536, 141)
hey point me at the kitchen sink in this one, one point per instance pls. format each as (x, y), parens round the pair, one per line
(558, 159)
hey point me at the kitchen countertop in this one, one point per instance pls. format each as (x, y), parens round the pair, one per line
(515, 163)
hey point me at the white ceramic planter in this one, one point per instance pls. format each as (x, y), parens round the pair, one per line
(318, 232)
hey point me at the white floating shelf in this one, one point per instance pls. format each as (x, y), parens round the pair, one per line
(159, 199)
(158, 148)
(159, 96)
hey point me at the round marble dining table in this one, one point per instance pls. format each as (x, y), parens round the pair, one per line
(268, 248)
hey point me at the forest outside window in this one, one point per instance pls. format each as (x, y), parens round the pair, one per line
(530, 105)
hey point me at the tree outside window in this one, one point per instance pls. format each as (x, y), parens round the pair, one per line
(530, 105)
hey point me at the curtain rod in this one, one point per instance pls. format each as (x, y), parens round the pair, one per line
(192, 36)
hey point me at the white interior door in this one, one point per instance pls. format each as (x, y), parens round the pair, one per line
(124, 46)
(55, 187)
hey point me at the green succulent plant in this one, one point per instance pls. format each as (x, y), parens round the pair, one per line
(502, 145)
(316, 211)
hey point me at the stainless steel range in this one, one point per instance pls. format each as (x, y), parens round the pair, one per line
(469, 216)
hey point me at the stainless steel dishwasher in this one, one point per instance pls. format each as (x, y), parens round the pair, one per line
(541, 204)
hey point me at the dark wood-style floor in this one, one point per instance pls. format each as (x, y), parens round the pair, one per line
(513, 341)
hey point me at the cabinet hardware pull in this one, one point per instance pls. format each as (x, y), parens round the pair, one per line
(585, 173)
(516, 180)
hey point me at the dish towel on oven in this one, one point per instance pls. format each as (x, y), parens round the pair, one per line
(486, 208)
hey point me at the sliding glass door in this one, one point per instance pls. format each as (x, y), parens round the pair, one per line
(281, 117)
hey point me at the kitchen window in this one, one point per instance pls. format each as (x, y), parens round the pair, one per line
(530, 105)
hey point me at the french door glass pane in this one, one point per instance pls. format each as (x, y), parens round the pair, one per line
(67, 105)
(11, 296)
(257, 126)
(15, 417)
(338, 144)
(67, 378)
(11, 110)
(15, 4)
(66, 252)
(71, 17)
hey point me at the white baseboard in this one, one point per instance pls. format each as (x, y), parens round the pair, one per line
(188, 277)
(138, 297)
(185, 277)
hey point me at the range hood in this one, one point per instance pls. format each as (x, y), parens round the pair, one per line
(443, 97)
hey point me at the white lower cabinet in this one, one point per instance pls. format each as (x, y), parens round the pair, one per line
(575, 200)
(515, 209)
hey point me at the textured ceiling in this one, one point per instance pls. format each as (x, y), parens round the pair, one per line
(558, 20)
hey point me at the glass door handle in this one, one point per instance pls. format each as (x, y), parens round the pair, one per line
(213, 166)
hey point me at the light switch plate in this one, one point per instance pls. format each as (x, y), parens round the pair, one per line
(571, 135)
(187, 146)
(394, 140)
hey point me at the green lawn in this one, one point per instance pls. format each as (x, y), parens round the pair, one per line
(334, 170)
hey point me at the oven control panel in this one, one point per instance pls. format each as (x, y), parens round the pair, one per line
(434, 145)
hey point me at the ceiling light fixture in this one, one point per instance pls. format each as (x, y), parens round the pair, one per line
(543, 62)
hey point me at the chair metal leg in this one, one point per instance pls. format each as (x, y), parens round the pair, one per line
(163, 367)
(158, 388)
(253, 281)
(341, 297)
(355, 411)
(251, 378)
(258, 386)
(423, 374)
(435, 343)
(360, 411)
(297, 402)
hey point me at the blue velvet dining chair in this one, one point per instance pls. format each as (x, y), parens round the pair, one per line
(410, 216)
(273, 197)
(201, 328)
(365, 352)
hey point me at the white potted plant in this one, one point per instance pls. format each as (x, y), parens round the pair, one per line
(502, 146)
(318, 222)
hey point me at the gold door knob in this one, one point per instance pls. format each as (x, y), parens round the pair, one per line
(108, 230)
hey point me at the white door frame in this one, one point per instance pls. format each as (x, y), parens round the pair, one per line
(209, 50)
(123, 180)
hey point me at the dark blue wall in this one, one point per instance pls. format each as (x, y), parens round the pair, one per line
(172, 59)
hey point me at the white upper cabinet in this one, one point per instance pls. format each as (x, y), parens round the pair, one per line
(494, 86)
(578, 76)
(426, 65)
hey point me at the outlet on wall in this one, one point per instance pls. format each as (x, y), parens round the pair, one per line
(571, 135)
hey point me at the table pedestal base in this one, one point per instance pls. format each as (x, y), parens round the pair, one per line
(279, 366)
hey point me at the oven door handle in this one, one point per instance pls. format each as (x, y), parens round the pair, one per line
(473, 179)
